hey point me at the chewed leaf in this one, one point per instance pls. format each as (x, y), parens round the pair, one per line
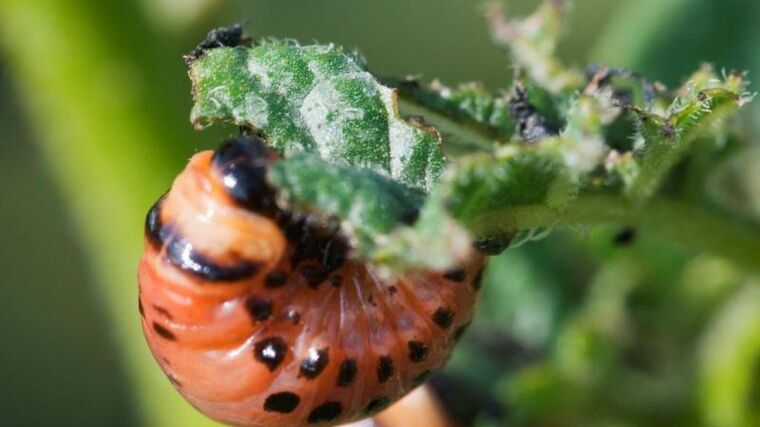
(367, 205)
(532, 43)
(316, 99)
(704, 102)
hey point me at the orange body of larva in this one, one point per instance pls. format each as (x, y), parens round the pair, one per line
(260, 319)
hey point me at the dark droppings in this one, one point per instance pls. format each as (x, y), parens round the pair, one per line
(271, 352)
(223, 36)
(493, 245)
(284, 402)
(327, 411)
(531, 125)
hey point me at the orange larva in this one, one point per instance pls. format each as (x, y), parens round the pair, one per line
(260, 317)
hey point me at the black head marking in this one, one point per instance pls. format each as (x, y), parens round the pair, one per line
(242, 165)
(385, 369)
(259, 308)
(271, 352)
(314, 364)
(163, 332)
(325, 412)
(284, 402)
(418, 351)
(443, 317)
(347, 373)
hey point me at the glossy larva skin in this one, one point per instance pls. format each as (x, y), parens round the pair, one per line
(262, 320)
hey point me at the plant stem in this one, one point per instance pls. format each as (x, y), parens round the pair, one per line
(693, 226)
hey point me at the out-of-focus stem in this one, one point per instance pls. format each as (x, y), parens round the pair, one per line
(693, 226)
(94, 79)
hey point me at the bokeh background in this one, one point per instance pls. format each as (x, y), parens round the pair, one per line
(573, 330)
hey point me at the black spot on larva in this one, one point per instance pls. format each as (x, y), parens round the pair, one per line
(334, 252)
(460, 331)
(294, 316)
(140, 307)
(271, 352)
(223, 36)
(493, 245)
(314, 275)
(284, 402)
(377, 405)
(259, 308)
(625, 237)
(242, 164)
(443, 317)
(314, 364)
(421, 378)
(163, 332)
(164, 312)
(276, 279)
(392, 290)
(456, 275)
(180, 252)
(477, 281)
(327, 411)
(347, 373)
(385, 369)
(417, 351)
(336, 280)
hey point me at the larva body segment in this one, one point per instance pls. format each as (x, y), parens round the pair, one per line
(260, 318)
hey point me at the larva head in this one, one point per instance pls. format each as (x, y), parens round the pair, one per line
(262, 317)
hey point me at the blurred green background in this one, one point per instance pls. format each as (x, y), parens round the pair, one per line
(573, 330)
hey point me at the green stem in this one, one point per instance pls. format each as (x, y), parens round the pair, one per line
(693, 226)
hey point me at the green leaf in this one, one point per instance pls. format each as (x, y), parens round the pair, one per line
(704, 103)
(532, 43)
(368, 205)
(316, 99)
